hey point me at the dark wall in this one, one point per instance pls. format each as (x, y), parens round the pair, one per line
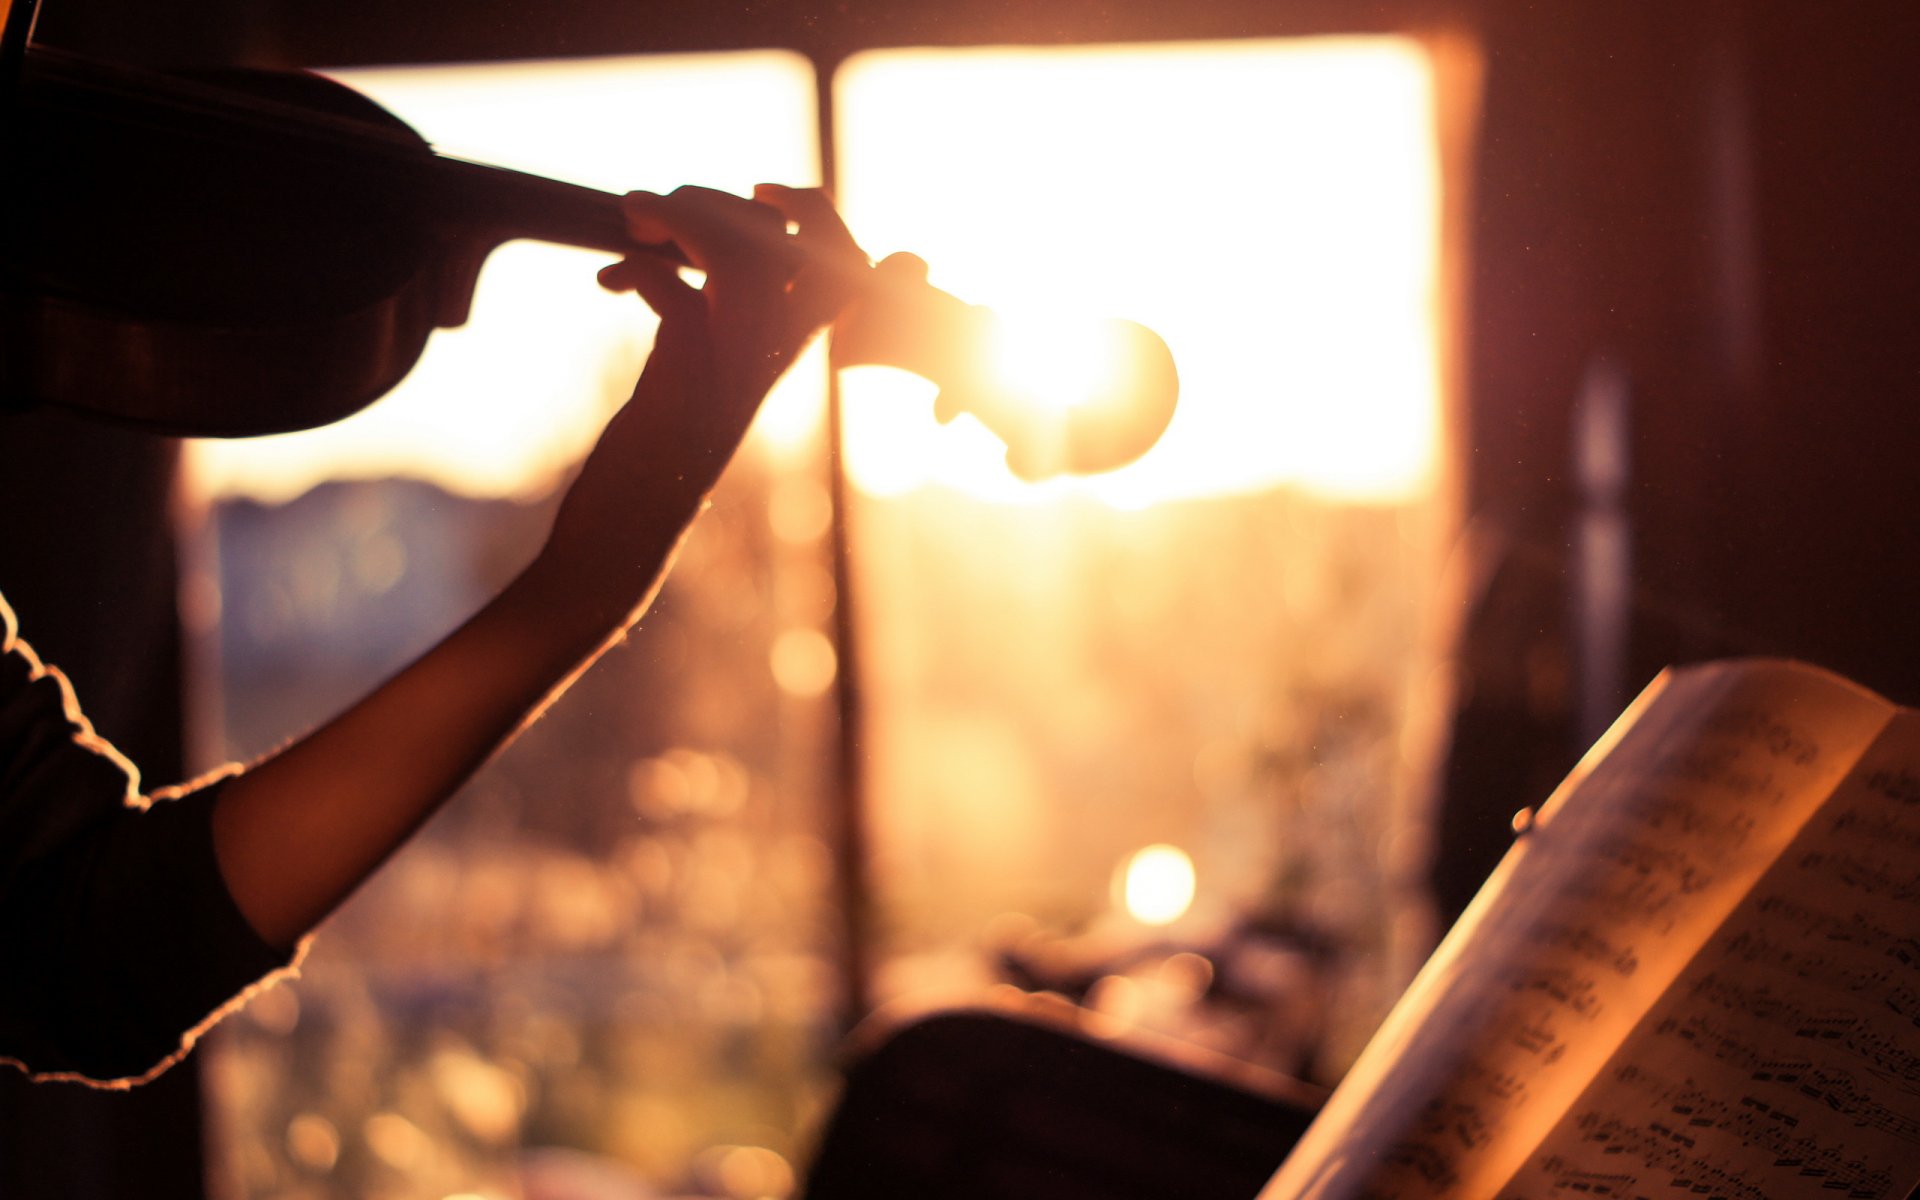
(1830, 453)
(1715, 202)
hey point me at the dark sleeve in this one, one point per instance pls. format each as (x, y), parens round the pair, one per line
(118, 939)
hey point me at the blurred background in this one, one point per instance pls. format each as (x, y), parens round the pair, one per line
(1504, 337)
(1101, 722)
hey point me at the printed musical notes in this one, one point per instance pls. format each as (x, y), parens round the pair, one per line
(1697, 974)
(1785, 1058)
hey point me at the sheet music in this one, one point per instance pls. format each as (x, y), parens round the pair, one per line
(1795, 1033)
(1629, 869)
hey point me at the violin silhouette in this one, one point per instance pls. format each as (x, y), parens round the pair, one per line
(254, 252)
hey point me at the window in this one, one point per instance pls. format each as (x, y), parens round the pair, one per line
(615, 953)
(1219, 650)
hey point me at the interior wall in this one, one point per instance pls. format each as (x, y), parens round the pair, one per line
(1828, 501)
(1592, 255)
(1713, 200)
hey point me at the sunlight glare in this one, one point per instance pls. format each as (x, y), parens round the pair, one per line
(1270, 208)
(1158, 885)
(1055, 364)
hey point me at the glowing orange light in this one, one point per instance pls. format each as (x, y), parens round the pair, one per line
(1157, 885)
(1270, 208)
(803, 662)
(1053, 364)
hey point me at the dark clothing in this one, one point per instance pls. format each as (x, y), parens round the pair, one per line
(118, 939)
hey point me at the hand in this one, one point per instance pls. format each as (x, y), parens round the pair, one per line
(720, 348)
(767, 290)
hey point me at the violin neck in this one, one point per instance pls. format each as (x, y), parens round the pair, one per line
(500, 205)
(250, 113)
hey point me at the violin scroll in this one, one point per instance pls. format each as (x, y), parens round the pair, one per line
(1116, 415)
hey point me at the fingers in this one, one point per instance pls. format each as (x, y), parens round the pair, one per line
(812, 216)
(720, 233)
(657, 280)
(777, 233)
(778, 267)
(832, 267)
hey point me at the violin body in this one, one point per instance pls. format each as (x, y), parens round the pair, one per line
(260, 252)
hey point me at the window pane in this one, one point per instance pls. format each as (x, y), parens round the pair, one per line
(1218, 651)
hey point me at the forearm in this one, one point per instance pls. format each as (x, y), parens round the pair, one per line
(299, 831)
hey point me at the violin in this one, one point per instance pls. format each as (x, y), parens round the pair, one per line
(249, 252)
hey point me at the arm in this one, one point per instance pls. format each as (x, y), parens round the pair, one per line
(296, 833)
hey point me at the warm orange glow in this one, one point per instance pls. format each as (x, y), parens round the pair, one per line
(1054, 364)
(747, 1171)
(1157, 885)
(1270, 208)
(803, 662)
(313, 1142)
(396, 1141)
(504, 404)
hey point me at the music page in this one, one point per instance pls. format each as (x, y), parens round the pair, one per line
(1630, 866)
(1786, 1060)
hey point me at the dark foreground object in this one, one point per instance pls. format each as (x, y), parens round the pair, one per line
(988, 1106)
